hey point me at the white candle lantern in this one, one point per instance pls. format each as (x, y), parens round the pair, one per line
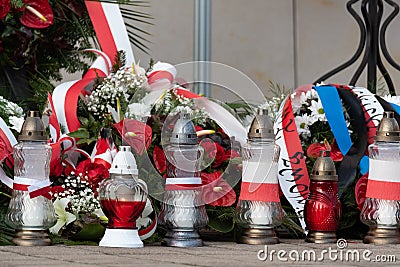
(381, 211)
(31, 211)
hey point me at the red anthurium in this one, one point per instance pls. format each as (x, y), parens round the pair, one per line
(37, 14)
(361, 190)
(217, 192)
(159, 159)
(314, 150)
(137, 134)
(4, 8)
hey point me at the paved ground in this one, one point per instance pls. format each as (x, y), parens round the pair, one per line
(293, 252)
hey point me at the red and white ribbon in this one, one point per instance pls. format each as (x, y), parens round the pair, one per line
(228, 123)
(383, 179)
(162, 76)
(292, 169)
(110, 29)
(9, 141)
(104, 153)
(35, 188)
(373, 111)
(182, 183)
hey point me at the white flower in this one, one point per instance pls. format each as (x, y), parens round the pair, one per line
(16, 122)
(298, 99)
(139, 110)
(302, 123)
(317, 110)
(64, 217)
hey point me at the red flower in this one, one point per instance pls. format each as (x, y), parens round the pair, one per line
(159, 159)
(95, 173)
(37, 14)
(56, 168)
(314, 150)
(137, 134)
(361, 190)
(217, 192)
(4, 8)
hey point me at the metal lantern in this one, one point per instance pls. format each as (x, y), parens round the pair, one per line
(259, 209)
(322, 209)
(122, 199)
(183, 211)
(381, 211)
(31, 211)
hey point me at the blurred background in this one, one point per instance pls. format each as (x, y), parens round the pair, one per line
(288, 42)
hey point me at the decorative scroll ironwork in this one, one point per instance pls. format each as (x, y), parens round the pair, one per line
(372, 42)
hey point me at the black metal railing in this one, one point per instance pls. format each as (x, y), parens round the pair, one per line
(372, 43)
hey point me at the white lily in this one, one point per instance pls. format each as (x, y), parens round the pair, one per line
(64, 217)
(144, 219)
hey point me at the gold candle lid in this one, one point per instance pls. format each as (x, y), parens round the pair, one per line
(324, 168)
(388, 128)
(33, 128)
(262, 127)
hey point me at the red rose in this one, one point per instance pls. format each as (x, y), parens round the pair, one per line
(32, 20)
(4, 8)
(217, 192)
(95, 173)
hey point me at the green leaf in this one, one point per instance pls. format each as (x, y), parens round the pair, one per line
(90, 232)
(80, 133)
(223, 226)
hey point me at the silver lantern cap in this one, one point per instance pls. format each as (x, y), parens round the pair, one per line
(388, 128)
(262, 127)
(33, 128)
(324, 168)
(184, 132)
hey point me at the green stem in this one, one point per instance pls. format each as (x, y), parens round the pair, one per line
(4, 194)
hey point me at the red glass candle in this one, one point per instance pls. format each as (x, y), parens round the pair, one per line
(122, 199)
(122, 213)
(322, 209)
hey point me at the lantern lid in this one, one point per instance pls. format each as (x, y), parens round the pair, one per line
(261, 127)
(388, 128)
(184, 132)
(324, 168)
(33, 128)
(124, 162)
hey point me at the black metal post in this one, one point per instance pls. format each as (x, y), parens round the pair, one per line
(372, 43)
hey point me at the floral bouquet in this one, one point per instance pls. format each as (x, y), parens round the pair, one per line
(338, 118)
(131, 107)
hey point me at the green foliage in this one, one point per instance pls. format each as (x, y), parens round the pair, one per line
(221, 218)
(6, 232)
(33, 59)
